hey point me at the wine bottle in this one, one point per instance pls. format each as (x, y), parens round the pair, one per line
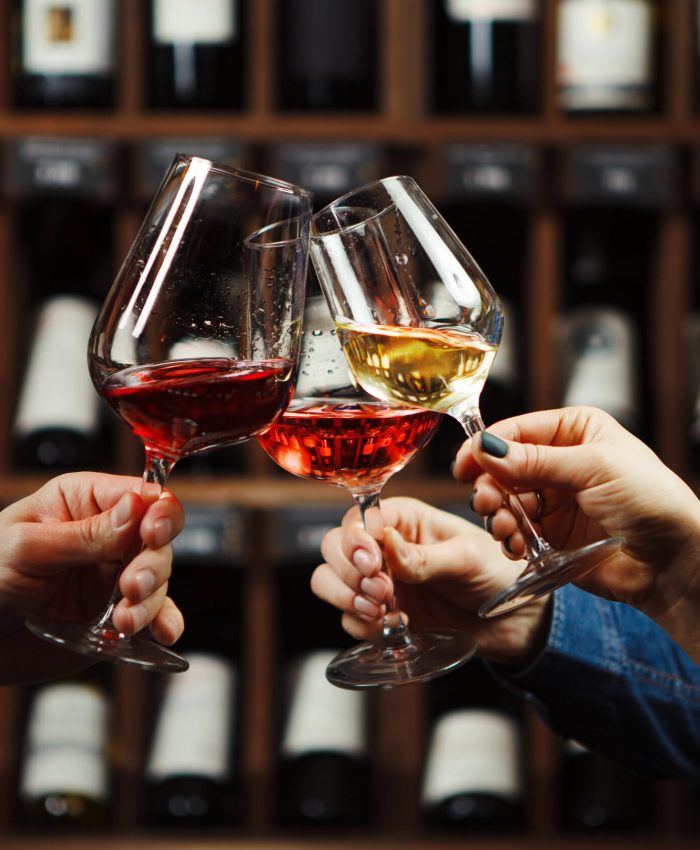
(189, 767)
(599, 795)
(195, 54)
(607, 55)
(472, 779)
(64, 778)
(327, 55)
(66, 54)
(485, 56)
(324, 769)
(602, 353)
(57, 423)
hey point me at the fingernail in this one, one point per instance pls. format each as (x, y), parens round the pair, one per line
(146, 582)
(373, 588)
(471, 501)
(493, 445)
(452, 468)
(488, 522)
(139, 615)
(363, 561)
(162, 531)
(506, 546)
(121, 512)
(364, 606)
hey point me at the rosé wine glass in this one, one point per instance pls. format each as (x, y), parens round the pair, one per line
(333, 431)
(196, 344)
(420, 324)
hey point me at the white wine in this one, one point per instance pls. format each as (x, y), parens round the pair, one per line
(427, 367)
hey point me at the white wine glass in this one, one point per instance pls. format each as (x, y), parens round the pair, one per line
(335, 432)
(196, 344)
(420, 324)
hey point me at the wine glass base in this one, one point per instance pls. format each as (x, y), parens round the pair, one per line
(423, 656)
(105, 644)
(549, 572)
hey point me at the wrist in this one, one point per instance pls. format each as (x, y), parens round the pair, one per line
(520, 638)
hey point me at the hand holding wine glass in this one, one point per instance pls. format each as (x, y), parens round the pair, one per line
(420, 324)
(196, 343)
(332, 431)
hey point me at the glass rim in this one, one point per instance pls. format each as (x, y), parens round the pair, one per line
(339, 201)
(248, 176)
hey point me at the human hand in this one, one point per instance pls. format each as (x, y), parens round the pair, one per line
(596, 479)
(443, 569)
(60, 550)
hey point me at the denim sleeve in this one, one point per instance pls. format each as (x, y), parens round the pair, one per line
(612, 679)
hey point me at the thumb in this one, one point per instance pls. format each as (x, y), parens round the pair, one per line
(529, 466)
(415, 563)
(102, 537)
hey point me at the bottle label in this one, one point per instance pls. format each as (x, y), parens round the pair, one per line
(66, 740)
(68, 37)
(464, 11)
(57, 391)
(602, 349)
(193, 733)
(605, 53)
(322, 717)
(472, 751)
(194, 21)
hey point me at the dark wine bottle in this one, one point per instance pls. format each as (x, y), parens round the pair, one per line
(323, 768)
(57, 423)
(65, 778)
(473, 772)
(65, 54)
(486, 56)
(189, 765)
(327, 55)
(599, 795)
(195, 54)
(191, 775)
(607, 55)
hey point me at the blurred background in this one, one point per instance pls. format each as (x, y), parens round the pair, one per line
(561, 140)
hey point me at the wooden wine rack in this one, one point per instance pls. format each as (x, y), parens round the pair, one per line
(403, 121)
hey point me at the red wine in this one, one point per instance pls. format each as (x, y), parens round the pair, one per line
(185, 406)
(353, 444)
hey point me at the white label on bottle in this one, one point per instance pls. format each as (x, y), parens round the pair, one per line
(57, 391)
(492, 10)
(322, 717)
(193, 733)
(68, 36)
(194, 21)
(604, 52)
(66, 740)
(472, 750)
(601, 348)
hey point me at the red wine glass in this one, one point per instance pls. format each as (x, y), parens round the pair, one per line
(332, 431)
(420, 324)
(196, 343)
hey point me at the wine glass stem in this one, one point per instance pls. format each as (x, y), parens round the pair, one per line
(156, 471)
(536, 547)
(394, 631)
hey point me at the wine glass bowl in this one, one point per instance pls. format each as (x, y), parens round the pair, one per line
(196, 343)
(420, 324)
(333, 431)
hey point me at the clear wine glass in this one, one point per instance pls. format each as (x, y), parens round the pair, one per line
(333, 431)
(420, 324)
(196, 344)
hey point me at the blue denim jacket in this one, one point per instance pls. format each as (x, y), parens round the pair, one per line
(613, 680)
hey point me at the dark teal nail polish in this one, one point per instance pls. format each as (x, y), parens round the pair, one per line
(471, 501)
(493, 445)
(488, 522)
(506, 546)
